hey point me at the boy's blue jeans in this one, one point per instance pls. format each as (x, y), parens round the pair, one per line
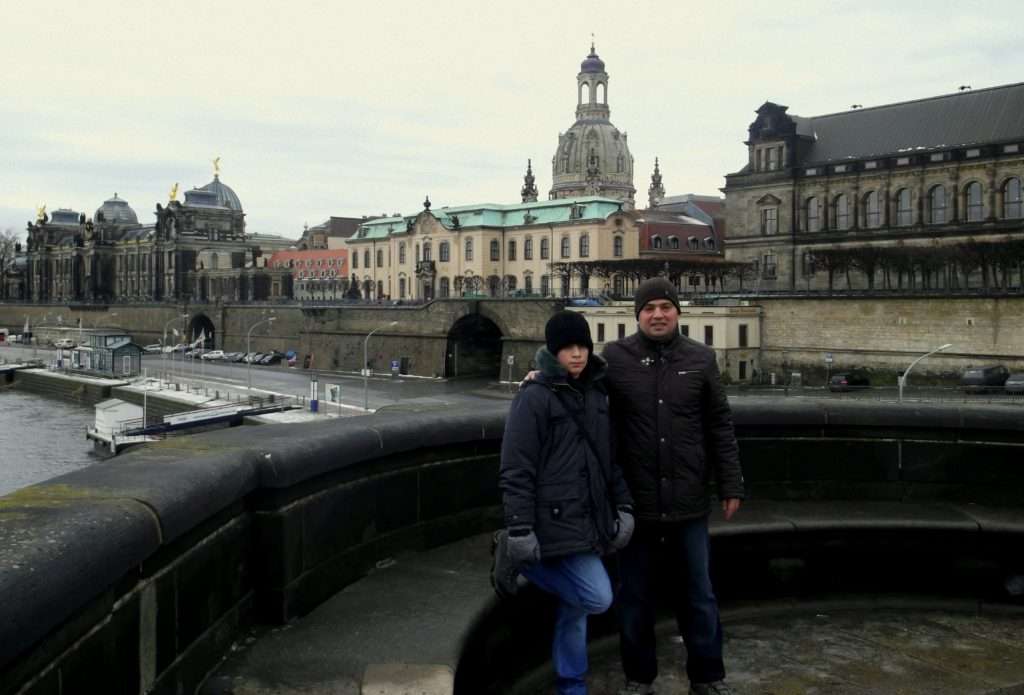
(581, 584)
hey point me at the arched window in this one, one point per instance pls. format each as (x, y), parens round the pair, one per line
(380, 258)
(904, 212)
(566, 247)
(937, 205)
(545, 249)
(975, 208)
(655, 242)
(812, 213)
(673, 242)
(445, 252)
(617, 247)
(528, 249)
(401, 253)
(469, 249)
(841, 212)
(510, 283)
(427, 255)
(872, 210)
(528, 283)
(545, 285)
(511, 249)
(692, 243)
(709, 243)
(1012, 208)
(585, 246)
(366, 258)
(495, 250)
(401, 288)
(445, 284)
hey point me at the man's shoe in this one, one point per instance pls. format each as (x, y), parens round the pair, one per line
(635, 688)
(716, 688)
(504, 574)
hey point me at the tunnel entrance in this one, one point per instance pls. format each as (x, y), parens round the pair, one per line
(474, 348)
(201, 326)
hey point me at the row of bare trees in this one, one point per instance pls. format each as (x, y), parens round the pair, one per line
(715, 273)
(967, 265)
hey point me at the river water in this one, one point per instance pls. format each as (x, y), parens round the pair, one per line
(41, 438)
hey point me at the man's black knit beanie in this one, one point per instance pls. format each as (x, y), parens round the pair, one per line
(567, 328)
(654, 288)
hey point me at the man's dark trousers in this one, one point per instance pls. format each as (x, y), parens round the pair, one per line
(678, 552)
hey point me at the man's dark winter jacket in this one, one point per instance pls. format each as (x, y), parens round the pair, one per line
(672, 426)
(550, 479)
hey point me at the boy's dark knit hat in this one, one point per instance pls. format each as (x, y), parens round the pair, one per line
(567, 328)
(654, 288)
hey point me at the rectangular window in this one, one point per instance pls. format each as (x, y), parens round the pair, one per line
(902, 161)
(1011, 149)
(840, 169)
(811, 172)
(769, 221)
(870, 165)
(511, 250)
(743, 370)
(622, 331)
(709, 335)
(972, 153)
(743, 335)
(759, 156)
(600, 332)
(769, 265)
(684, 329)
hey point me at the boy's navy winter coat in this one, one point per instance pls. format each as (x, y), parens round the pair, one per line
(550, 479)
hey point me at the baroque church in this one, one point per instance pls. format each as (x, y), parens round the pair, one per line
(196, 250)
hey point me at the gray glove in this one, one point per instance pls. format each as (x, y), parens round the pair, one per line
(523, 547)
(624, 530)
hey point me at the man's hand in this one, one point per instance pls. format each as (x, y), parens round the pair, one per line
(530, 376)
(730, 506)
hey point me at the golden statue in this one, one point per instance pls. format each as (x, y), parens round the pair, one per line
(173, 195)
(216, 166)
(41, 213)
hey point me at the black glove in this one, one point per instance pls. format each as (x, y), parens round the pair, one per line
(623, 529)
(523, 547)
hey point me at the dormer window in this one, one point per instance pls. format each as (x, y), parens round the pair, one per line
(691, 243)
(455, 222)
(576, 212)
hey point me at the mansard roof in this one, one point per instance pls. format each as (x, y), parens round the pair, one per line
(992, 115)
(491, 215)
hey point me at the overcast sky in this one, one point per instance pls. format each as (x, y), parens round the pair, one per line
(345, 108)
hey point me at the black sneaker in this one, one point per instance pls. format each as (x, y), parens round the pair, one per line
(504, 574)
(716, 688)
(635, 688)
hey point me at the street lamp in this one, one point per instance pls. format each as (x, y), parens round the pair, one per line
(904, 375)
(366, 361)
(248, 362)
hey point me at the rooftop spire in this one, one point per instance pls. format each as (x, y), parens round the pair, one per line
(656, 191)
(529, 190)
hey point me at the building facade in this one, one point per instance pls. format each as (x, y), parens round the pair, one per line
(879, 183)
(489, 250)
(732, 331)
(197, 250)
(316, 274)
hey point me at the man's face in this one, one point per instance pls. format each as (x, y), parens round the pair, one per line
(659, 319)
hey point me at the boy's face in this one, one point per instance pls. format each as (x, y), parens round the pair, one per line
(574, 359)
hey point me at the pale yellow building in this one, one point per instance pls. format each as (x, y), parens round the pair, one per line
(733, 331)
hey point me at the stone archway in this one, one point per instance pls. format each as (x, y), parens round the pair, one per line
(474, 348)
(202, 325)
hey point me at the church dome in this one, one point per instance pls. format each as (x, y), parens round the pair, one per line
(592, 63)
(224, 196)
(116, 211)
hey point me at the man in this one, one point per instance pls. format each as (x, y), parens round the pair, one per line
(672, 432)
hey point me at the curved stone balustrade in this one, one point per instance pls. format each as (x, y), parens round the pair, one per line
(134, 575)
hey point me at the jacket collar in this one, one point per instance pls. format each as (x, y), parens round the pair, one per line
(552, 373)
(650, 345)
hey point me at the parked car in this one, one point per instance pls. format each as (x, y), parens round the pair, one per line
(271, 358)
(212, 355)
(982, 379)
(849, 381)
(180, 347)
(64, 344)
(1015, 383)
(154, 347)
(193, 353)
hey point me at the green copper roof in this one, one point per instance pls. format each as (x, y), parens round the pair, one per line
(497, 216)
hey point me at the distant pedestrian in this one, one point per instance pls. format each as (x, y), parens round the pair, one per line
(566, 504)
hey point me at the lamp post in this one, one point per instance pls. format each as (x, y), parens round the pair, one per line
(248, 363)
(366, 361)
(904, 375)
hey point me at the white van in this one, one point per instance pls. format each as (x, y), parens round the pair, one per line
(64, 344)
